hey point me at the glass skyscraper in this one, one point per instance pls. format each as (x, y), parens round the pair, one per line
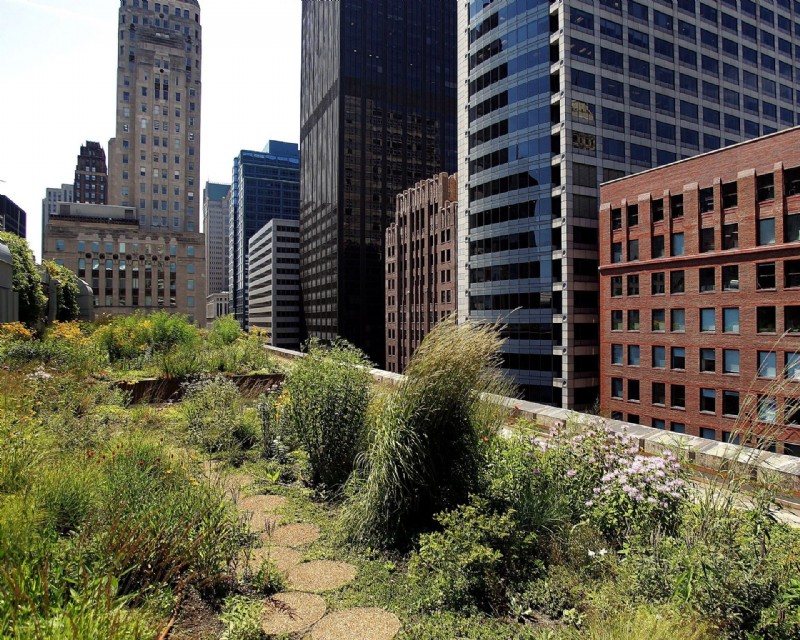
(378, 114)
(266, 185)
(558, 97)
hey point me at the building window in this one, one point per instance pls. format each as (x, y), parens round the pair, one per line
(791, 270)
(730, 278)
(659, 357)
(730, 320)
(677, 427)
(633, 285)
(633, 320)
(677, 282)
(676, 206)
(767, 409)
(706, 240)
(708, 400)
(766, 187)
(633, 250)
(792, 229)
(659, 393)
(59, 245)
(634, 355)
(616, 219)
(658, 424)
(730, 236)
(658, 284)
(616, 388)
(767, 364)
(793, 366)
(633, 214)
(765, 275)
(658, 320)
(708, 320)
(616, 287)
(678, 320)
(678, 358)
(708, 360)
(766, 320)
(730, 192)
(730, 361)
(706, 200)
(766, 231)
(792, 319)
(616, 252)
(658, 210)
(730, 403)
(658, 247)
(616, 320)
(707, 279)
(678, 396)
(677, 244)
(707, 433)
(616, 354)
(633, 391)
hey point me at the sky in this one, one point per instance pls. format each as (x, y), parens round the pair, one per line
(58, 88)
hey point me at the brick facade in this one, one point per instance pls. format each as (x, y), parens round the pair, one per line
(420, 266)
(721, 295)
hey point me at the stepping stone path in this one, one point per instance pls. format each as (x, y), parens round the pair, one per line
(301, 609)
(357, 624)
(319, 576)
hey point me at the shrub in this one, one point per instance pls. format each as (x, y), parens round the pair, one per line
(424, 452)
(26, 280)
(242, 618)
(328, 394)
(68, 291)
(469, 564)
(225, 331)
(214, 414)
(14, 332)
(138, 334)
(67, 492)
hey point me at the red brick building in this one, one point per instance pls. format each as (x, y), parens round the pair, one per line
(700, 293)
(420, 266)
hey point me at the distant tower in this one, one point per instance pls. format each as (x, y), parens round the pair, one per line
(91, 175)
(216, 209)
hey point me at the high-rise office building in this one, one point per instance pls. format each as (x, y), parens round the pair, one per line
(146, 250)
(52, 198)
(420, 266)
(12, 217)
(266, 185)
(274, 282)
(91, 175)
(378, 109)
(559, 97)
(216, 209)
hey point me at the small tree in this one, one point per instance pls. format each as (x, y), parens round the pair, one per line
(27, 283)
(68, 291)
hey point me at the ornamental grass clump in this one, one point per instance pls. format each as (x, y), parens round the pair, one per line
(424, 454)
(327, 395)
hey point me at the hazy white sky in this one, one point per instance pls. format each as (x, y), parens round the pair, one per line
(58, 65)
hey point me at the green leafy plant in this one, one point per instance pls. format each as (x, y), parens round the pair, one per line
(26, 280)
(68, 291)
(242, 618)
(214, 412)
(225, 331)
(326, 406)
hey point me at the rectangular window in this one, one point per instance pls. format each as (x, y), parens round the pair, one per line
(616, 287)
(766, 320)
(791, 316)
(791, 270)
(659, 393)
(658, 286)
(616, 354)
(730, 236)
(706, 200)
(730, 361)
(616, 320)
(766, 231)
(765, 276)
(633, 285)
(677, 244)
(730, 320)
(678, 320)
(616, 252)
(658, 249)
(708, 401)
(678, 360)
(676, 206)
(767, 409)
(658, 320)
(793, 366)
(633, 394)
(678, 396)
(633, 250)
(616, 219)
(633, 320)
(708, 320)
(659, 357)
(677, 282)
(708, 360)
(657, 208)
(633, 355)
(707, 240)
(707, 279)
(616, 388)
(767, 364)
(730, 404)
(730, 278)
(766, 187)
(792, 228)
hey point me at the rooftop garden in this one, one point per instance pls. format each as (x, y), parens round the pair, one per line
(330, 507)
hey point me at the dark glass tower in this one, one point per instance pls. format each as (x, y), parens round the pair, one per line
(378, 114)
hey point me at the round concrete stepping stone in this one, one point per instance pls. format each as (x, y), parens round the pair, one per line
(292, 535)
(319, 576)
(262, 504)
(357, 624)
(284, 558)
(291, 612)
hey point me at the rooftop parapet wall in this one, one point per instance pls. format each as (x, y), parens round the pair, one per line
(750, 464)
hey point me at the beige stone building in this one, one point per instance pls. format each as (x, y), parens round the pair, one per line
(128, 267)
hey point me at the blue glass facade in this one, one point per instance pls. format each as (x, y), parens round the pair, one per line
(266, 185)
